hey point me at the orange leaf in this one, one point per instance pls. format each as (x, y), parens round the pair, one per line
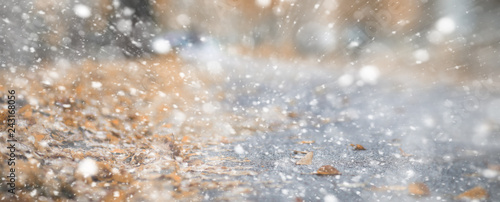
(39, 137)
(26, 111)
(306, 142)
(118, 151)
(174, 177)
(418, 189)
(186, 139)
(404, 153)
(474, 193)
(358, 147)
(328, 170)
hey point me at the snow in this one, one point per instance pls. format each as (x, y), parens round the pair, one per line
(87, 167)
(238, 149)
(128, 11)
(489, 173)
(179, 117)
(445, 25)
(161, 46)
(369, 74)
(96, 84)
(330, 198)
(263, 3)
(346, 80)
(82, 11)
(124, 26)
(421, 55)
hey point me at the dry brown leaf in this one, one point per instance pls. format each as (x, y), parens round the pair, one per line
(115, 195)
(403, 153)
(105, 172)
(89, 126)
(494, 167)
(118, 151)
(357, 147)
(38, 137)
(184, 194)
(328, 170)
(116, 123)
(418, 189)
(306, 142)
(174, 177)
(123, 176)
(293, 115)
(195, 162)
(225, 140)
(4, 115)
(69, 121)
(474, 193)
(306, 160)
(112, 138)
(26, 111)
(186, 139)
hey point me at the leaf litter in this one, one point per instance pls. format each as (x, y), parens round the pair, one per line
(306, 160)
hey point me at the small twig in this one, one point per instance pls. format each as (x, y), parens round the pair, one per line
(299, 152)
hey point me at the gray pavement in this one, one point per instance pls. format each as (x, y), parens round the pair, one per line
(453, 144)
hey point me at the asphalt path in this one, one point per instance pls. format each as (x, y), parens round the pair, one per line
(437, 134)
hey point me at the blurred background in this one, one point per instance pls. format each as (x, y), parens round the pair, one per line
(457, 39)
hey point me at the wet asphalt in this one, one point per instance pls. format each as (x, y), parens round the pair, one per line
(436, 126)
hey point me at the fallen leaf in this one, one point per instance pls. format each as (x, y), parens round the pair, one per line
(195, 162)
(69, 121)
(89, 126)
(293, 115)
(306, 160)
(327, 170)
(494, 167)
(418, 189)
(105, 172)
(174, 177)
(474, 193)
(403, 153)
(358, 147)
(26, 111)
(306, 142)
(39, 137)
(115, 195)
(225, 140)
(4, 115)
(186, 139)
(118, 151)
(123, 176)
(184, 194)
(116, 123)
